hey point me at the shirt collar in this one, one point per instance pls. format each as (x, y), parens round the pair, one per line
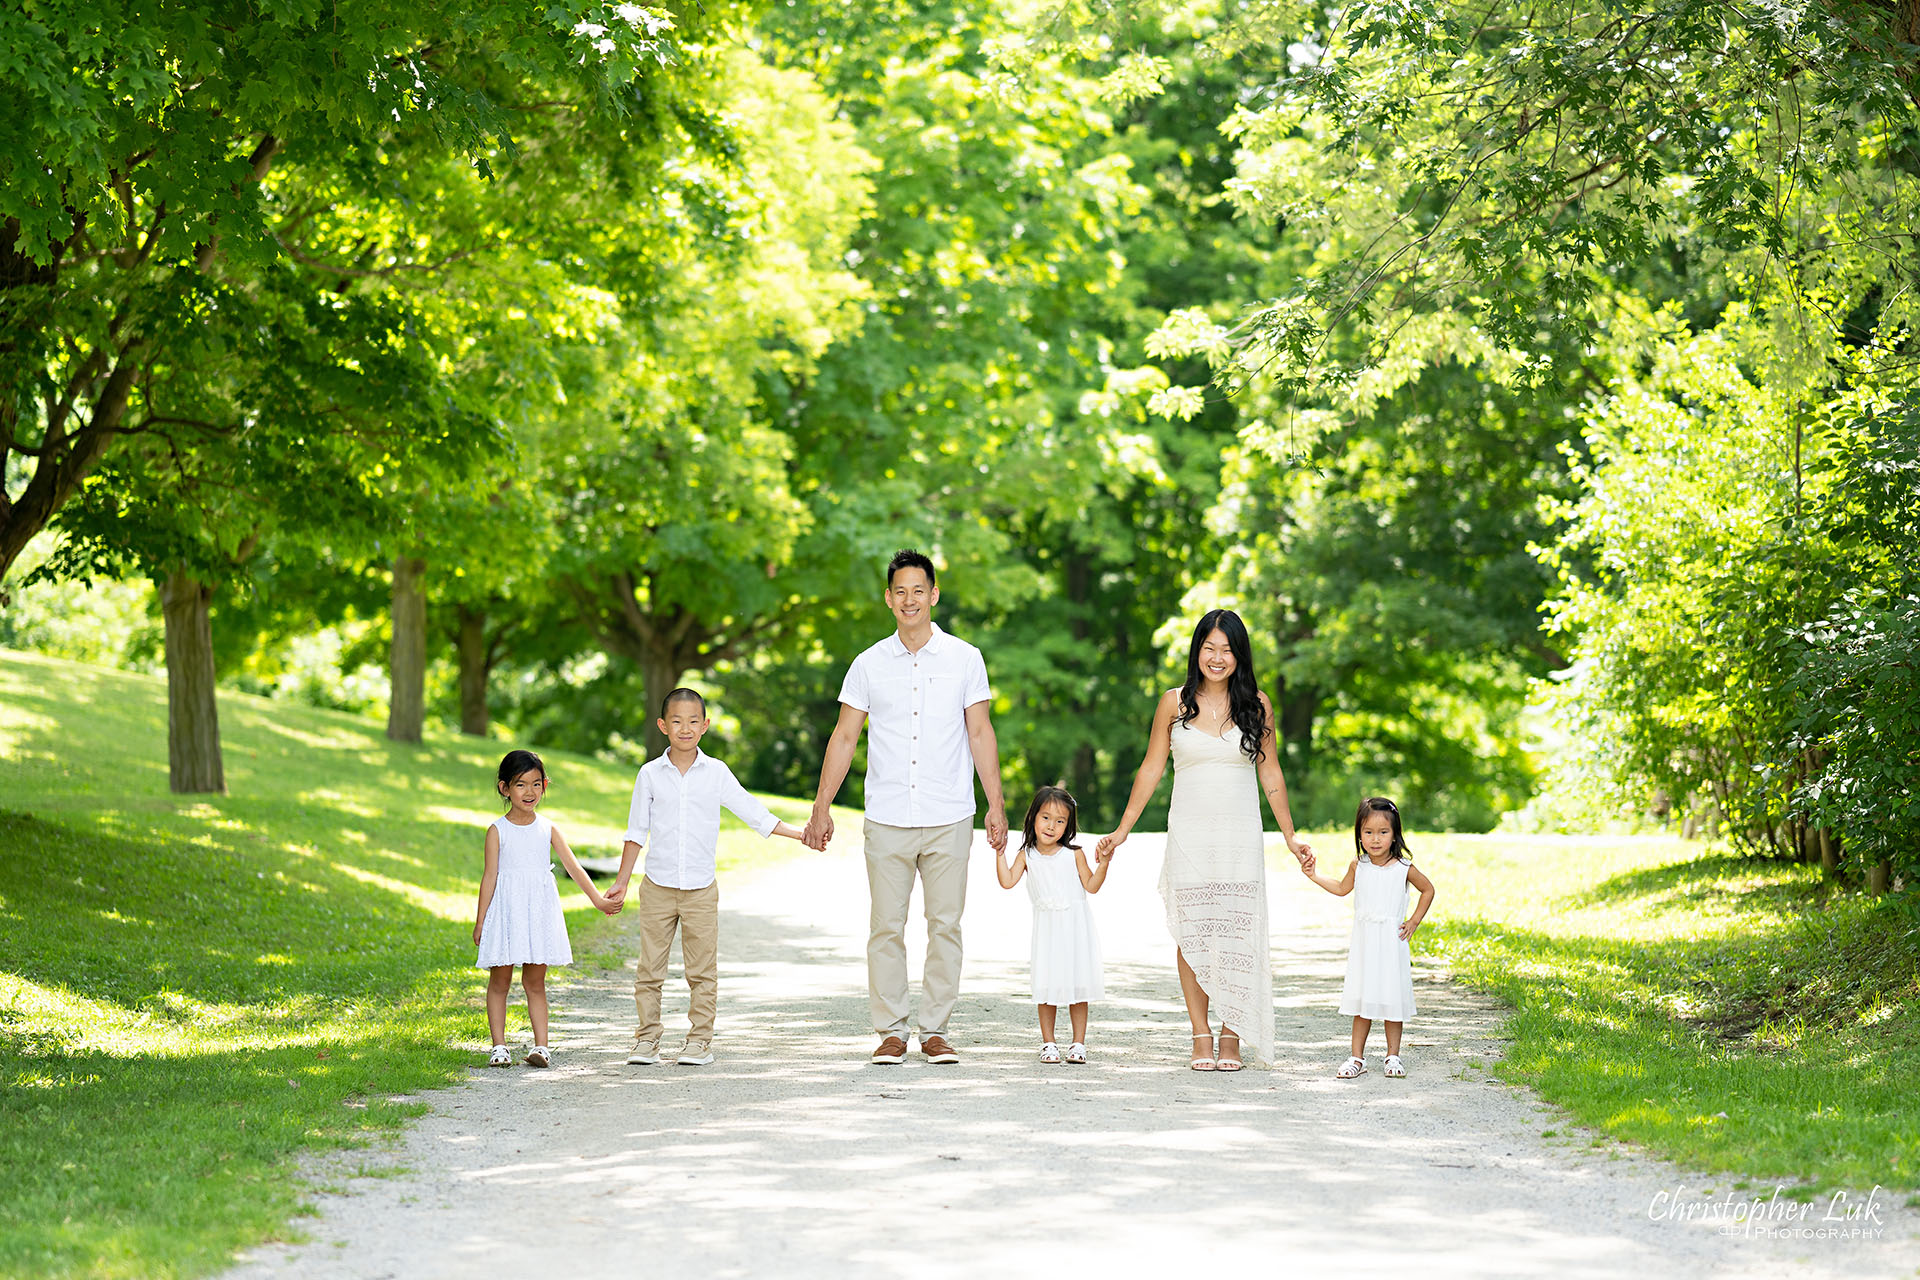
(664, 761)
(898, 647)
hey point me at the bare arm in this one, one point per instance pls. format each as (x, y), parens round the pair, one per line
(833, 772)
(579, 873)
(1338, 888)
(1154, 764)
(629, 856)
(1009, 873)
(489, 876)
(1418, 879)
(1273, 784)
(986, 763)
(788, 830)
(1091, 878)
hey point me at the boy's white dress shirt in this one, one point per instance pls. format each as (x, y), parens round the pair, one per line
(681, 812)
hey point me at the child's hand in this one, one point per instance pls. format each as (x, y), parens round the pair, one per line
(1307, 865)
(476, 933)
(1102, 856)
(1108, 845)
(616, 895)
(1407, 928)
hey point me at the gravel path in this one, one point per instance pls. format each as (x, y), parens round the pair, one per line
(791, 1157)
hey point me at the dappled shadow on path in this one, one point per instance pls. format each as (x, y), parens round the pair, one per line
(792, 1156)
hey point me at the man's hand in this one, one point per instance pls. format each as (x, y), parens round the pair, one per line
(819, 830)
(997, 829)
(616, 895)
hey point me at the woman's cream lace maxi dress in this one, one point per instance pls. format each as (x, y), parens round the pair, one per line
(1214, 881)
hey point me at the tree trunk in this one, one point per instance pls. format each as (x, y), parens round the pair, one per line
(1879, 877)
(407, 668)
(1829, 853)
(661, 676)
(194, 764)
(475, 667)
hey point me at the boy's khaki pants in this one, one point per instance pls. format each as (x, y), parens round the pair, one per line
(696, 913)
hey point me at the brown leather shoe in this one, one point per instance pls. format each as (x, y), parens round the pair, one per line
(892, 1052)
(937, 1049)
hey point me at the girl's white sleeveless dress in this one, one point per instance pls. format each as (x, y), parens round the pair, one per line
(1214, 881)
(524, 924)
(1379, 962)
(1066, 949)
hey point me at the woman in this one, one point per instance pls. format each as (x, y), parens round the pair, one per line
(1219, 729)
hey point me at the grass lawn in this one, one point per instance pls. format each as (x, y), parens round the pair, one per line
(1730, 1014)
(195, 990)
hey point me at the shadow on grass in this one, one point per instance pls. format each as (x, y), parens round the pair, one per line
(1774, 1049)
(1747, 884)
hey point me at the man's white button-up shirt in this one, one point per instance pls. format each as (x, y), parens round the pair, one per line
(919, 763)
(681, 814)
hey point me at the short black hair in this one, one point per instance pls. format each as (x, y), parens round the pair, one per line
(908, 558)
(683, 694)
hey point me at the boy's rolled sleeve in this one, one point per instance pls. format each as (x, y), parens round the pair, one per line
(640, 815)
(742, 804)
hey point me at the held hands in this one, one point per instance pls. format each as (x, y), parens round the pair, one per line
(1307, 863)
(1109, 844)
(997, 829)
(819, 830)
(1101, 854)
(615, 898)
(1301, 850)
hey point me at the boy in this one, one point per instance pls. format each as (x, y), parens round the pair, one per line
(677, 798)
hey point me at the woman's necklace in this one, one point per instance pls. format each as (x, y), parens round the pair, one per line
(1213, 717)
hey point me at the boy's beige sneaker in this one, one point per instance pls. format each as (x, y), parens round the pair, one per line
(644, 1053)
(696, 1053)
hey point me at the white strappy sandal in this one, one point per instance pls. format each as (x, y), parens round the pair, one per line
(1394, 1069)
(1351, 1068)
(1050, 1053)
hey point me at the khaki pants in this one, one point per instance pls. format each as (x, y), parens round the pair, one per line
(696, 913)
(938, 855)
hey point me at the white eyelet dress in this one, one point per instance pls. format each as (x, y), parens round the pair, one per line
(524, 923)
(1379, 962)
(1066, 949)
(1214, 881)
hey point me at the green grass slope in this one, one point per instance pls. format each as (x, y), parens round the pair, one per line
(1732, 1014)
(196, 990)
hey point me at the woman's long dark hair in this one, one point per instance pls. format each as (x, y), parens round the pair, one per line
(1243, 691)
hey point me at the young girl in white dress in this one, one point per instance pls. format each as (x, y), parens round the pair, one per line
(1379, 961)
(519, 920)
(1066, 950)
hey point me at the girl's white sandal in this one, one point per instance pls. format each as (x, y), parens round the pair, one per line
(1077, 1054)
(1394, 1067)
(1350, 1068)
(1050, 1052)
(500, 1057)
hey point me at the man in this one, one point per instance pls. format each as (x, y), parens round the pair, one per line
(927, 696)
